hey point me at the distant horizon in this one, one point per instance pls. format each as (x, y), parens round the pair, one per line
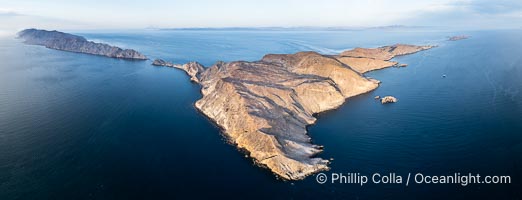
(4, 33)
(275, 28)
(162, 14)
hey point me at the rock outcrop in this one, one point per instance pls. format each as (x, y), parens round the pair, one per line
(160, 62)
(193, 69)
(368, 59)
(68, 42)
(263, 107)
(388, 99)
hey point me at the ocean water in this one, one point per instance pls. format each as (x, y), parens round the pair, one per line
(76, 126)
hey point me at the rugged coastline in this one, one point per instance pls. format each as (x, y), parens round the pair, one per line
(264, 107)
(73, 43)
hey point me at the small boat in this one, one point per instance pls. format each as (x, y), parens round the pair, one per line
(444, 76)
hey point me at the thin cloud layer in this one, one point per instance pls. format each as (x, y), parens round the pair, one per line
(84, 14)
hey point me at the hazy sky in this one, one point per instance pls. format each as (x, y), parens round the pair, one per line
(92, 14)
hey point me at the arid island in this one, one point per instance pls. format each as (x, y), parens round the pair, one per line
(73, 43)
(263, 107)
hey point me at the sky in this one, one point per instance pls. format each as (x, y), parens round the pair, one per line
(128, 14)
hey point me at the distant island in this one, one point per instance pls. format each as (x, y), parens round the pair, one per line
(73, 43)
(263, 107)
(293, 28)
(458, 37)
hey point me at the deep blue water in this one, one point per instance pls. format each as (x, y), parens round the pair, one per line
(75, 126)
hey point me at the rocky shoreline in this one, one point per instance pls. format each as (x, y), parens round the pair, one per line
(73, 43)
(264, 107)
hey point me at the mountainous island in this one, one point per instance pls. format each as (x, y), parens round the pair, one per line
(73, 43)
(264, 107)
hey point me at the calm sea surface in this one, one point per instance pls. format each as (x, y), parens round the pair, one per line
(76, 126)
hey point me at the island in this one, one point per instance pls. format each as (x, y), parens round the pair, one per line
(73, 43)
(265, 106)
(458, 37)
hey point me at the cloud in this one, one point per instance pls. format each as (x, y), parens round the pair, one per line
(5, 12)
(12, 21)
(84, 14)
(492, 7)
(469, 14)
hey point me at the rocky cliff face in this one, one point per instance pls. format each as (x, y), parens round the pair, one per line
(264, 107)
(68, 42)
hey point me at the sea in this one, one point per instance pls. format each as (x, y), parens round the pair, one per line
(78, 126)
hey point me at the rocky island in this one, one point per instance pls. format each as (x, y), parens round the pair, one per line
(68, 42)
(388, 99)
(458, 37)
(264, 107)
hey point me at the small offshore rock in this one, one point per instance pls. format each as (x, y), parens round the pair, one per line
(388, 99)
(159, 62)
